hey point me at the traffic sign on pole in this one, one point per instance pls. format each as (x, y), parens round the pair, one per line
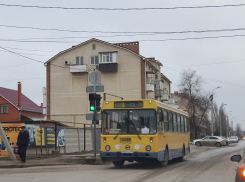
(95, 78)
(90, 89)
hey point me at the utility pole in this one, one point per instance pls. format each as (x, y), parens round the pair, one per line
(212, 116)
(94, 119)
(6, 143)
(212, 111)
(94, 99)
(232, 127)
(227, 126)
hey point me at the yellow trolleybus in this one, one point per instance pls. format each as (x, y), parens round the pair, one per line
(143, 130)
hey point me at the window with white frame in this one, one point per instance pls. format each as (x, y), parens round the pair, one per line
(108, 57)
(79, 60)
(4, 108)
(94, 60)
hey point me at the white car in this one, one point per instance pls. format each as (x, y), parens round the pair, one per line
(234, 139)
(210, 141)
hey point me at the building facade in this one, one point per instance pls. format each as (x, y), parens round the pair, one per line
(124, 73)
(181, 103)
(15, 106)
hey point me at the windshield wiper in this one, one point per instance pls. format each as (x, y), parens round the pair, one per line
(139, 136)
(115, 137)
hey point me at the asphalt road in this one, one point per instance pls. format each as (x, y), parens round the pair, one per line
(204, 164)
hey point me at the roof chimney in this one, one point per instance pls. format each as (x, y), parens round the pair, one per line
(19, 93)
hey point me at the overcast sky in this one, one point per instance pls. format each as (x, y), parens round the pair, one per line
(174, 55)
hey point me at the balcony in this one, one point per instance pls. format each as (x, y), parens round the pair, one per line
(149, 87)
(164, 97)
(78, 68)
(110, 67)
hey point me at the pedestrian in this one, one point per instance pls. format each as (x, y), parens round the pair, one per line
(23, 140)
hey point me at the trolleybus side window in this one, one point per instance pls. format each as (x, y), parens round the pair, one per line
(182, 124)
(159, 119)
(175, 123)
(178, 121)
(170, 120)
(165, 119)
(187, 125)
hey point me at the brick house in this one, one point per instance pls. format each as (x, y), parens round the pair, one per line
(124, 72)
(15, 106)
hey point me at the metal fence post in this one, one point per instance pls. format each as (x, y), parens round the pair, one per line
(84, 137)
(78, 135)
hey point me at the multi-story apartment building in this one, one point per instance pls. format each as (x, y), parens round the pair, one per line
(182, 103)
(124, 73)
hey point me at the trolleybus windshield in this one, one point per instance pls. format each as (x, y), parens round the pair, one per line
(135, 121)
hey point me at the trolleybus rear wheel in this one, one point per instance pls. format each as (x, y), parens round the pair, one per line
(118, 163)
(181, 159)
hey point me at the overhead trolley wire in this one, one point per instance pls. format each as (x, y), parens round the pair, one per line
(123, 9)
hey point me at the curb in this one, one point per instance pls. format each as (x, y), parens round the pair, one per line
(32, 165)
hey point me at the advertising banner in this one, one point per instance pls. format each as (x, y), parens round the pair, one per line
(50, 131)
(35, 135)
(48, 136)
(12, 132)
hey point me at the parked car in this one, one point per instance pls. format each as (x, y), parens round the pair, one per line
(234, 139)
(240, 172)
(210, 141)
(227, 140)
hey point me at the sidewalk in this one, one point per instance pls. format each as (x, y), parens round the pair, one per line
(69, 159)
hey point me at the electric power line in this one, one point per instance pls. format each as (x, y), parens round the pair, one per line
(35, 50)
(29, 54)
(215, 80)
(156, 40)
(35, 59)
(10, 66)
(124, 32)
(167, 8)
(204, 64)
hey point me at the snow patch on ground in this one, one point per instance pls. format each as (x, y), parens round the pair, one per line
(204, 156)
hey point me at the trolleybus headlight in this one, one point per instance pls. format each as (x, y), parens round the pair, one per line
(107, 147)
(148, 147)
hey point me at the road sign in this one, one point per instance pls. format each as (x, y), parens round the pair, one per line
(90, 116)
(95, 78)
(90, 89)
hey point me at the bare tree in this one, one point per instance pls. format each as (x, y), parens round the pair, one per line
(238, 130)
(220, 117)
(197, 102)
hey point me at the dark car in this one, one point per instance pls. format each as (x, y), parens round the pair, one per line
(240, 173)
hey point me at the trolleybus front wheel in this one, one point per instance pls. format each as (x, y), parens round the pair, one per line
(165, 161)
(118, 163)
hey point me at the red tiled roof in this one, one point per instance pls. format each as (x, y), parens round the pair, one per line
(12, 97)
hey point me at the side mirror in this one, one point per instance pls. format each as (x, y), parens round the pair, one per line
(236, 158)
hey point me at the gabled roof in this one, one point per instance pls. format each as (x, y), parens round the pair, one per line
(166, 78)
(90, 40)
(26, 104)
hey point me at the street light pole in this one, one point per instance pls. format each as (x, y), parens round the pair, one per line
(212, 111)
(227, 128)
